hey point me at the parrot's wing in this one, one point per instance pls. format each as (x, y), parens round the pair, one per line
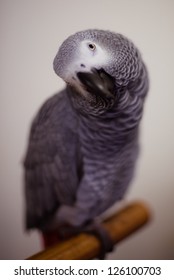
(50, 163)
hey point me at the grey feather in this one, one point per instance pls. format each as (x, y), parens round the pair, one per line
(83, 145)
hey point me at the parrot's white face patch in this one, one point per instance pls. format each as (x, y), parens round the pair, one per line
(88, 55)
(91, 55)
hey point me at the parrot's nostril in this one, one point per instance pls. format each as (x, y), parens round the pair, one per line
(82, 65)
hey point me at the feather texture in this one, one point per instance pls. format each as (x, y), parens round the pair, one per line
(82, 153)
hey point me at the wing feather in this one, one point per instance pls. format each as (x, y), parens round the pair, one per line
(51, 175)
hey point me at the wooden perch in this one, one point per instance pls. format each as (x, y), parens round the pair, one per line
(84, 246)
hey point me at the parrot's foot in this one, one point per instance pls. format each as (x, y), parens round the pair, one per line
(94, 228)
(101, 233)
(67, 231)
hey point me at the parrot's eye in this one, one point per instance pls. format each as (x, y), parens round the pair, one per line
(91, 46)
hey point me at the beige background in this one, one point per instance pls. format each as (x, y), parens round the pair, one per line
(30, 33)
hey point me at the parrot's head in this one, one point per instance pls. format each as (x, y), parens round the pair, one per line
(98, 66)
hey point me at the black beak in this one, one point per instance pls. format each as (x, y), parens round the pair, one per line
(98, 82)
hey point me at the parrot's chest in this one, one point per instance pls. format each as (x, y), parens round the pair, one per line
(105, 146)
(99, 140)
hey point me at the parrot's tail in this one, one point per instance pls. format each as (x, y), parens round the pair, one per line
(50, 239)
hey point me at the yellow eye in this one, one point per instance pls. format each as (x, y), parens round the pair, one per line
(91, 46)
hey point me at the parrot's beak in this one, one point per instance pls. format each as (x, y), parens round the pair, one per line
(98, 82)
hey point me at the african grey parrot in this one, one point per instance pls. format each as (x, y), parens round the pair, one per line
(83, 142)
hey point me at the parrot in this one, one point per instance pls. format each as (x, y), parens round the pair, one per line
(84, 141)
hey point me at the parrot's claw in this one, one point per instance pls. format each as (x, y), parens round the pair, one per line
(96, 229)
(101, 233)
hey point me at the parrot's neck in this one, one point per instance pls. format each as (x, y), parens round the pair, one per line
(114, 128)
(126, 108)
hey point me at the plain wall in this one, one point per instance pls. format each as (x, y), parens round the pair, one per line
(30, 34)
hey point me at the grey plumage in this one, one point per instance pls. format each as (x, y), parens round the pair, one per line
(83, 144)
